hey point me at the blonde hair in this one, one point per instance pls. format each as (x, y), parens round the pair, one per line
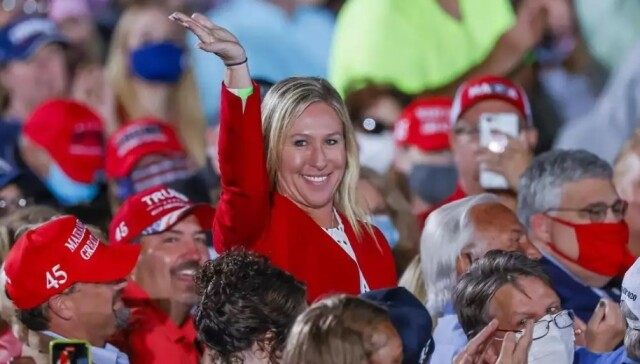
(624, 162)
(282, 105)
(335, 330)
(413, 280)
(189, 119)
(13, 225)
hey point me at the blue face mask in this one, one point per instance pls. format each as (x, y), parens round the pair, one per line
(554, 50)
(384, 223)
(67, 191)
(158, 62)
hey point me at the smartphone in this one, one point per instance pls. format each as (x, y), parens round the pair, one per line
(63, 351)
(506, 123)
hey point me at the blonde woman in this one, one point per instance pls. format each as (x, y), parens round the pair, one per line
(343, 330)
(147, 72)
(289, 176)
(626, 178)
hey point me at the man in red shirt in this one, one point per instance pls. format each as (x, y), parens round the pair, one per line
(495, 95)
(172, 234)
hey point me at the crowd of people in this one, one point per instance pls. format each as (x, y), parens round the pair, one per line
(320, 182)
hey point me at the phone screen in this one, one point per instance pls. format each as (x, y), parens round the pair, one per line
(70, 352)
(494, 129)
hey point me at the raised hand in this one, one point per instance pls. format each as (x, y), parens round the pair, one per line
(475, 351)
(511, 163)
(213, 38)
(606, 327)
(478, 350)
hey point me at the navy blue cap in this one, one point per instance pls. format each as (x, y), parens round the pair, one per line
(410, 318)
(22, 37)
(8, 173)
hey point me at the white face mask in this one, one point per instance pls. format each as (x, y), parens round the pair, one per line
(556, 347)
(376, 151)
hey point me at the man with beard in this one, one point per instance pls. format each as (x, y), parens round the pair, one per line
(171, 232)
(66, 283)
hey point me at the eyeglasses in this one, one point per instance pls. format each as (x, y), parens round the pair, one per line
(598, 212)
(26, 6)
(9, 205)
(466, 130)
(562, 320)
(470, 131)
(373, 126)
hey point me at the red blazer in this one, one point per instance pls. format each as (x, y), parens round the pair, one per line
(250, 215)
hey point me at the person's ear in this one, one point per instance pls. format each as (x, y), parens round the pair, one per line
(463, 263)
(540, 228)
(532, 135)
(452, 139)
(5, 80)
(61, 306)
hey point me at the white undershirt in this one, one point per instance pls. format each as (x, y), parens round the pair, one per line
(341, 238)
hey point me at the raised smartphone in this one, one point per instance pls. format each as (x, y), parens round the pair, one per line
(63, 351)
(506, 123)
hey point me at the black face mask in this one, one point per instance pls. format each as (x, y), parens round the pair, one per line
(97, 213)
(433, 183)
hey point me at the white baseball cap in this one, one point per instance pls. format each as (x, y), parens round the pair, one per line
(631, 293)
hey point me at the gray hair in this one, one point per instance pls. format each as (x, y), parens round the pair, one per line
(473, 293)
(447, 231)
(631, 336)
(540, 188)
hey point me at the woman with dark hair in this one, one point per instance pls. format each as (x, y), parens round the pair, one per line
(247, 309)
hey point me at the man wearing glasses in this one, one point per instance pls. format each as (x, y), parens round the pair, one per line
(508, 293)
(575, 218)
(489, 95)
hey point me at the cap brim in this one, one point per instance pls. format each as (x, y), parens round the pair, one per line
(112, 262)
(8, 178)
(124, 166)
(203, 212)
(43, 41)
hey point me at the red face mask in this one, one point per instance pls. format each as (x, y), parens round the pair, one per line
(602, 247)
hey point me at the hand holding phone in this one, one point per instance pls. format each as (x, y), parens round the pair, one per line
(494, 129)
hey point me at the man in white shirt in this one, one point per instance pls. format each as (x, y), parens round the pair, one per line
(66, 283)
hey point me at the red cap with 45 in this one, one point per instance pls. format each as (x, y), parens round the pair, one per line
(155, 210)
(50, 258)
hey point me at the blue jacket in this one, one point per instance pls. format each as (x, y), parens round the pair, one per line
(575, 295)
(584, 356)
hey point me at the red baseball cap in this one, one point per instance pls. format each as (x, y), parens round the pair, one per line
(490, 88)
(50, 258)
(72, 134)
(136, 140)
(425, 124)
(155, 210)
